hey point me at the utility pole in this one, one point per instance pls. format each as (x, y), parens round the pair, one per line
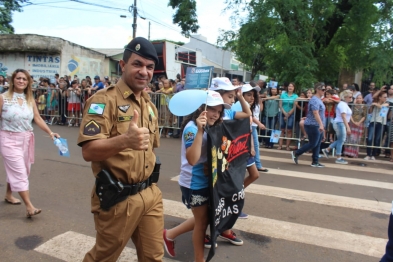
(148, 38)
(134, 24)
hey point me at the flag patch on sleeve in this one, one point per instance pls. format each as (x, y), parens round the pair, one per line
(96, 109)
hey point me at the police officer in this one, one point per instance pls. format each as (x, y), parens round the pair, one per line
(118, 133)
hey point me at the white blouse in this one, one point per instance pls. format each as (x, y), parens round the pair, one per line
(15, 117)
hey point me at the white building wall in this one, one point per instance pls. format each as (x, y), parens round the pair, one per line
(37, 64)
(173, 67)
(83, 62)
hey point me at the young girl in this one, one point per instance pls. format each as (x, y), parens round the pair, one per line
(228, 93)
(359, 114)
(3, 84)
(330, 101)
(74, 103)
(193, 182)
(41, 103)
(301, 110)
(251, 96)
(52, 102)
(377, 122)
(287, 106)
(271, 113)
(167, 92)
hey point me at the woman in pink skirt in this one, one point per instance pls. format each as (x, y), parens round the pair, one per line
(17, 110)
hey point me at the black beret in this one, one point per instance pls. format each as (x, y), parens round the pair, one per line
(141, 46)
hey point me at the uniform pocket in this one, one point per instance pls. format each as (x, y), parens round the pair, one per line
(152, 128)
(123, 127)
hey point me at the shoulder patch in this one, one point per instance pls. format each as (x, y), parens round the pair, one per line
(189, 136)
(124, 118)
(96, 109)
(92, 128)
(124, 109)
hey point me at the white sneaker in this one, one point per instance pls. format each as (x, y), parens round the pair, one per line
(367, 158)
(372, 158)
(341, 161)
(325, 152)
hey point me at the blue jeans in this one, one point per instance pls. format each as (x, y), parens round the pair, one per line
(341, 135)
(288, 123)
(270, 123)
(388, 257)
(387, 132)
(374, 136)
(314, 142)
(256, 147)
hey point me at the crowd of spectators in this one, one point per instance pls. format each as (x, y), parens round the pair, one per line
(61, 100)
(370, 124)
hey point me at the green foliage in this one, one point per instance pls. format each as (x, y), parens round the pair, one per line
(309, 41)
(305, 40)
(185, 15)
(6, 9)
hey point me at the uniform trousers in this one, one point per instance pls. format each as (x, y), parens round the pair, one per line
(139, 217)
(17, 149)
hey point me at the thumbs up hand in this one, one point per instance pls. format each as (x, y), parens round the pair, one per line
(138, 137)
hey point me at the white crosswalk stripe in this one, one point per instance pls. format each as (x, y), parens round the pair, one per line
(317, 236)
(334, 179)
(318, 198)
(72, 246)
(288, 159)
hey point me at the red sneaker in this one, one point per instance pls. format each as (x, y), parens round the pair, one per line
(169, 245)
(232, 238)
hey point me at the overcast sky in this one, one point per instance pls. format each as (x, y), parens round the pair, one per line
(98, 27)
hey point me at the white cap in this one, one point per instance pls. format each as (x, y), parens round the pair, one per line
(248, 87)
(215, 99)
(222, 83)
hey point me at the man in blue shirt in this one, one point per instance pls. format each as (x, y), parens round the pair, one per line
(98, 85)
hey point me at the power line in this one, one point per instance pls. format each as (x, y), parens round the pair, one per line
(78, 9)
(98, 5)
(163, 24)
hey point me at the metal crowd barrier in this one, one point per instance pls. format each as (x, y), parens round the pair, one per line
(380, 134)
(67, 109)
(60, 106)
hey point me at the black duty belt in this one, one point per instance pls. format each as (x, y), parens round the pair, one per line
(129, 190)
(111, 191)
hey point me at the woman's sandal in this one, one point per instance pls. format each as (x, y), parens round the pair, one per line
(279, 148)
(36, 212)
(391, 160)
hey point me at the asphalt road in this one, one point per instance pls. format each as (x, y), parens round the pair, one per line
(281, 228)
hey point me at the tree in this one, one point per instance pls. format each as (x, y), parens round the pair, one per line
(6, 9)
(312, 40)
(185, 15)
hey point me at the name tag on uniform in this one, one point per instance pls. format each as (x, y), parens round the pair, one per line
(124, 118)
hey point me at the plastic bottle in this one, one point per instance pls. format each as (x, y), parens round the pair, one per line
(63, 149)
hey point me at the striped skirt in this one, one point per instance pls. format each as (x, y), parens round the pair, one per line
(354, 138)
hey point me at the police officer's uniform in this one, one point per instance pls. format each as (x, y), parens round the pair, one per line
(107, 114)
